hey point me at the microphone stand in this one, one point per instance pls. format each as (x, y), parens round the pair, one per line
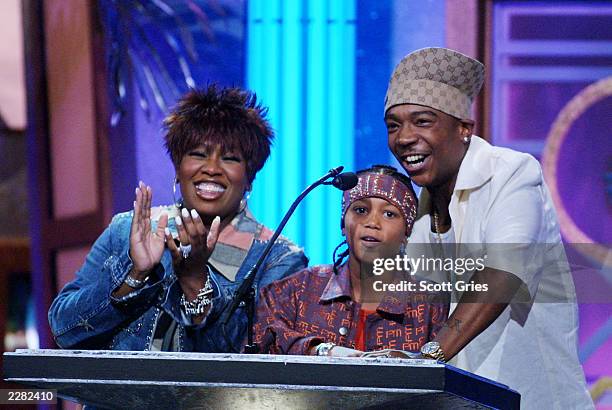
(245, 294)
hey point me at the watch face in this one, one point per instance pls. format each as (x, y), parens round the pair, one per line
(429, 348)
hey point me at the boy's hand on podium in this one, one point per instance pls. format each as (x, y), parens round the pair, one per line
(339, 351)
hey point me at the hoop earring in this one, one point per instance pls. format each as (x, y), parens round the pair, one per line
(244, 201)
(177, 202)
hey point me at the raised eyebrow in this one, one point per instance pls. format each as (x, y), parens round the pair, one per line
(359, 203)
(391, 117)
(425, 112)
(394, 117)
(391, 208)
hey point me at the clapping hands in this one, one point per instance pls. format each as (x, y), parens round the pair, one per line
(146, 245)
(196, 242)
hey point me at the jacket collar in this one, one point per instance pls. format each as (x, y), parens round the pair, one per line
(339, 286)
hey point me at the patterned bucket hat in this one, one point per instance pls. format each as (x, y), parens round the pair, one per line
(438, 78)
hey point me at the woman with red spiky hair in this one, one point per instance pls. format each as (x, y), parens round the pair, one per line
(159, 278)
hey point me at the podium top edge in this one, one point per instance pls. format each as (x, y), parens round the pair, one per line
(293, 359)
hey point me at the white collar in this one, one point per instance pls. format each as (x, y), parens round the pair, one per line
(475, 170)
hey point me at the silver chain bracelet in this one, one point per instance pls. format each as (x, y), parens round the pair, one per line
(135, 283)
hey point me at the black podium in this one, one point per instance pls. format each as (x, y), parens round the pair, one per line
(163, 380)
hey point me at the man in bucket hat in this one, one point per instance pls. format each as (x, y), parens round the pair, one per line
(517, 323)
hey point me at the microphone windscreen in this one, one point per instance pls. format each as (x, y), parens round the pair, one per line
(345, 181)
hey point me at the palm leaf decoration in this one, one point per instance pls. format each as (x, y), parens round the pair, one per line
(151, 43)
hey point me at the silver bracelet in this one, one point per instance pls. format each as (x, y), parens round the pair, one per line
(135, 283)
(203, 298)
(323, 349)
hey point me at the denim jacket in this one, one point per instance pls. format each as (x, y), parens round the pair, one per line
(84, 315)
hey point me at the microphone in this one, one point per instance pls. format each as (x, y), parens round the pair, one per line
(245, 294)
(344, 181)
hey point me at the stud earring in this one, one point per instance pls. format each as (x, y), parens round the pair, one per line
(466, 139)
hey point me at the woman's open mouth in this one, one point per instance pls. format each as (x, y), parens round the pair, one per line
(209, 190)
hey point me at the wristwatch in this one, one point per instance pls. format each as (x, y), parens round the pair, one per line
(432, 350)
(323, 349)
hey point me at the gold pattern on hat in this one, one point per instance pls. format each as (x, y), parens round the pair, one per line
(439, 78)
